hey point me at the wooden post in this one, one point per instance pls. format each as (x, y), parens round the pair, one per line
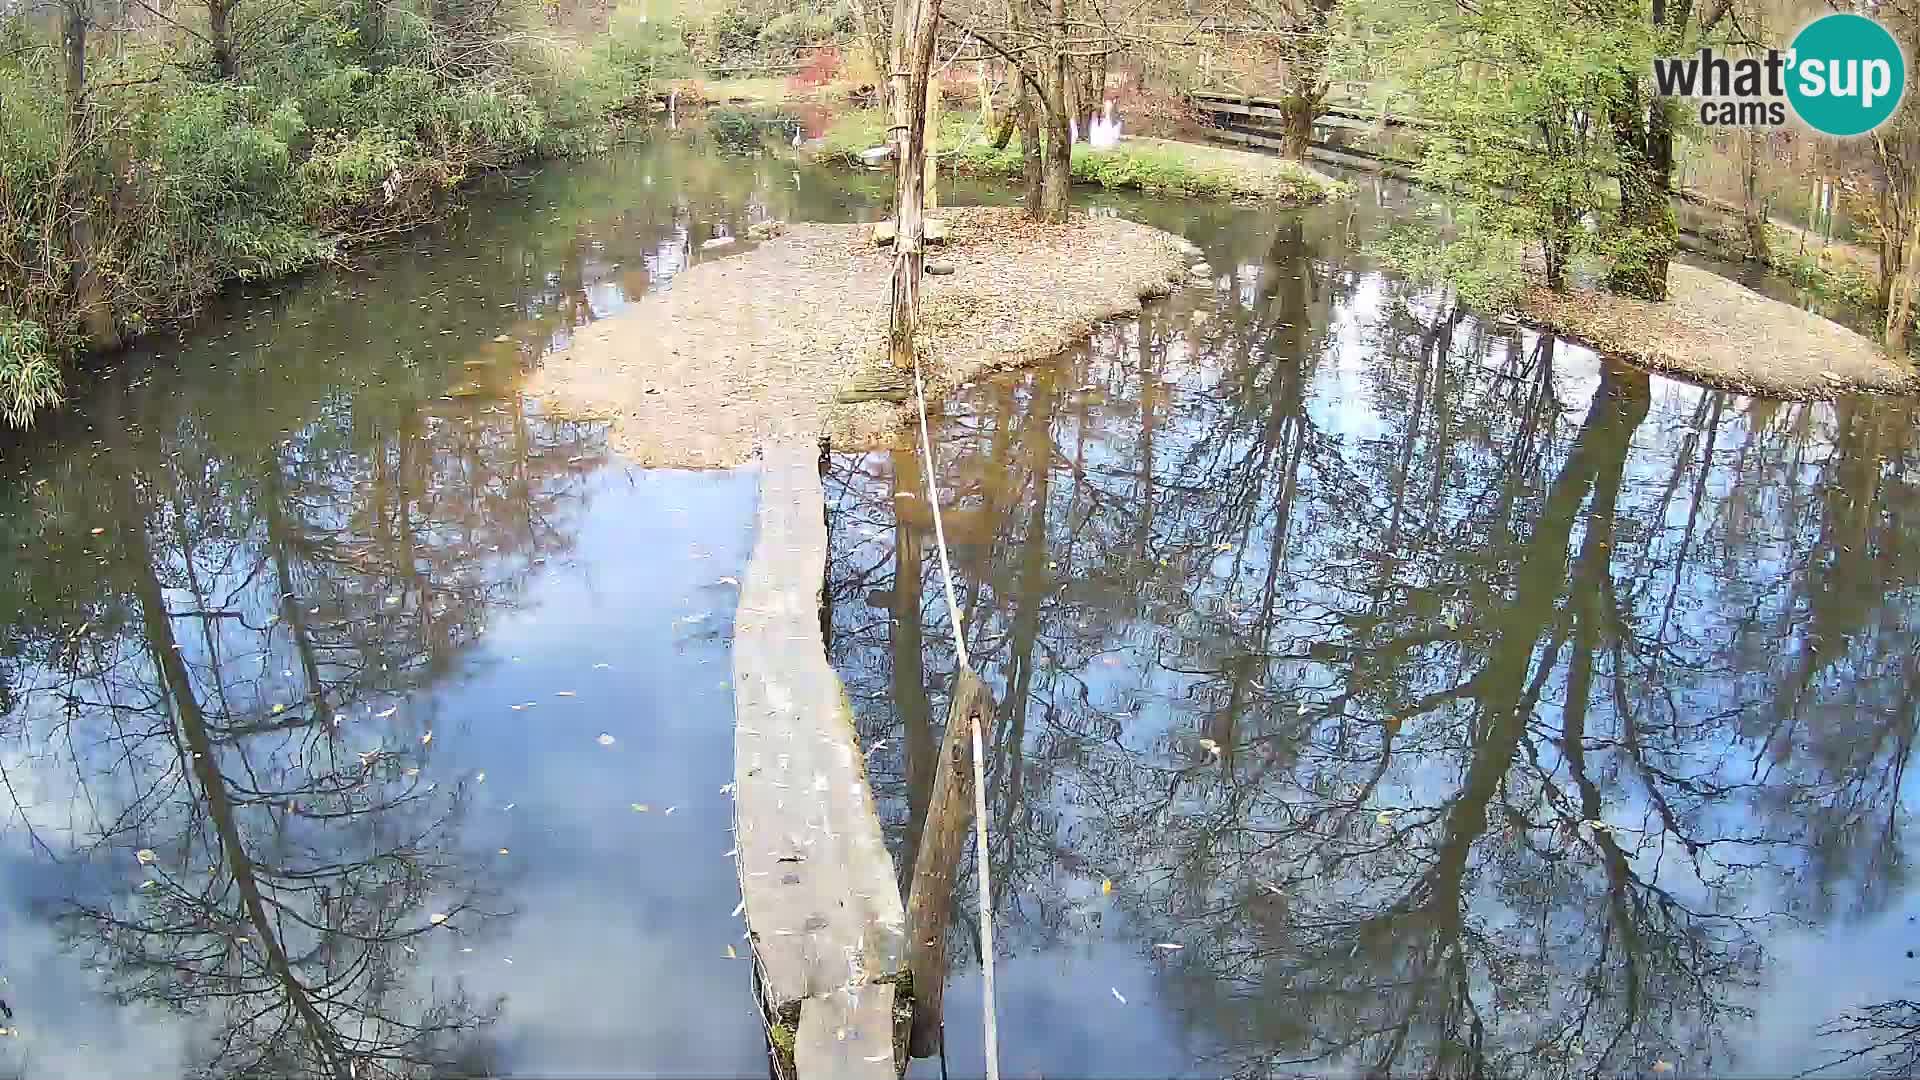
(909, 237)
(930, 898)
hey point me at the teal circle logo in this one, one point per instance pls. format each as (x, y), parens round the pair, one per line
(1845, 75)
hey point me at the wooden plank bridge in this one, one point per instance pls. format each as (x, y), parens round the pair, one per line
(824, 915)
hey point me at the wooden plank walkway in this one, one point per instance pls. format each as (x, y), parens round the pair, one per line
(823, 909)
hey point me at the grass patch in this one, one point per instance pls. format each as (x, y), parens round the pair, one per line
(1822, 272)
(1152, 165)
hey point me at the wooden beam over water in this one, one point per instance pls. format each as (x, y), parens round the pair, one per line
(930, 899)
(822, 906)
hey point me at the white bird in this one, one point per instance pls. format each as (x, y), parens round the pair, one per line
(1103, 132)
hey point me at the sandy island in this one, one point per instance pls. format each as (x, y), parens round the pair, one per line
(1716, 331)
(759, 344)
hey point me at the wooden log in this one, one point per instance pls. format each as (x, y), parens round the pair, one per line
(930, 898)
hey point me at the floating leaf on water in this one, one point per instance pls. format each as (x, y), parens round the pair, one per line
(503, 851)
(726, 789)
(145, 855)
(506, 959)
(509, 806)
(437, 918)
(605, 739)
(387, 713)
(1117, 995)
(516, 708)
(1210, 747)
(731, 853)
(97, 532)
(480, 777)
(1384, 817)
(1106, 886)
(427, 738)
(601, 667)
(1663, 1066)
(415, 771)
(730, 581)
(740, 907)
(640, 808)
(563, 693)
(669, 810)
(148, 884)
(469, 948)
(278, 709)
(501, 339)
(1223, 547)
(731, 955)
(1169, 946)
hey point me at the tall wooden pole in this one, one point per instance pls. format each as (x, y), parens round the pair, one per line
(930, 898)
(913, 67)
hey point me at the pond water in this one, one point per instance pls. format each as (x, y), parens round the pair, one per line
(356, 719)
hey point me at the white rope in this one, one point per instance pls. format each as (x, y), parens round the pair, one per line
(939, 531)
(989, 1023)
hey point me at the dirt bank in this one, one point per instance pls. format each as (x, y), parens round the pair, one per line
(761, 343)
(1721, 333)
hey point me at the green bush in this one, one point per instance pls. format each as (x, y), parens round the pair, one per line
(29, 375)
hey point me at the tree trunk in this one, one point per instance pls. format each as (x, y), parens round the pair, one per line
(942, 841)
(220, 35)
(1296, 135)
(909, 238)
(1032, 169)
(90, 305)
(1059, 160)
(1901, 287)
(1646, 231)
(874, 44)
(1306, 79)
(930, 146)
(1753, 211)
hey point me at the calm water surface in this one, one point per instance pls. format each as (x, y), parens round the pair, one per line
(358, 720)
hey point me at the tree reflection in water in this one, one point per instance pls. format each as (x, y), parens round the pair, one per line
(256, 839)
(1460, 705)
